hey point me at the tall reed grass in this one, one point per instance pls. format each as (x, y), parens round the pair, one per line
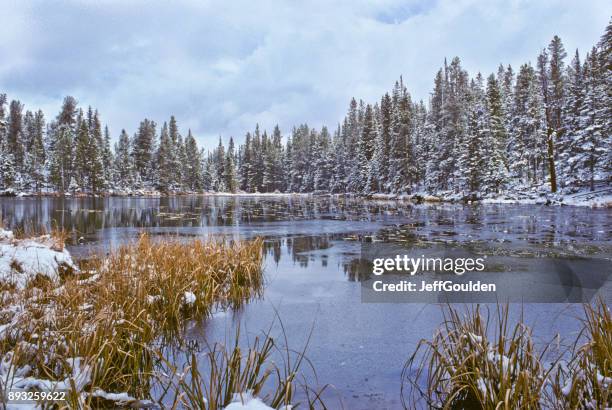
(220, 374)
(586, 381)
(124, 305)
(477, 360)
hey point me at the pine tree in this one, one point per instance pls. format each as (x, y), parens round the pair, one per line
(143, 149)
(605, 56)
(15, 135)
(165, 161)
(193, 164)
(400, 170)
(81, 155)
(550, 71)
(229, 168)
(276, 161)
(123, 166)
(339, 162)
(588, 149)
(207, 176)
(496, 140)
(246, 164)
(97, 180)
(219, 166)
(63, 133)
(322, 162)
(3, 122)
(384, 143)
(473, 150)
(367, 143)
(37, 157)
(107, 158)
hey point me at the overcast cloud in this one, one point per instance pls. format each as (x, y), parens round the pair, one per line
(222, 66)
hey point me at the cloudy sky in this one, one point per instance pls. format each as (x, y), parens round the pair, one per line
(222, 66)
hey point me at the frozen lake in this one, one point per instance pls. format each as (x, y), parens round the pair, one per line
(314, 270)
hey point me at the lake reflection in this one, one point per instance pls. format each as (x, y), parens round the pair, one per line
(313, 260)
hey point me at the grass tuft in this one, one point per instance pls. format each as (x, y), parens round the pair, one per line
(586, 381)
(476, 362)
(114, 314)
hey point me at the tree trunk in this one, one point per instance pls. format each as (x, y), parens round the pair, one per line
(551, 161)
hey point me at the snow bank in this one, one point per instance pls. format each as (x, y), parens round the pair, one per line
(582, 198)
(594, 201)
(23, 260)
(17, 379)
(189, 298)
(246, 401)
(124, 399)
(252, 403)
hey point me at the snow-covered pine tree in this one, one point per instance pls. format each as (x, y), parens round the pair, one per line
(97, 180)
(436, 123)
(455, 113)
(81, 155)
(181, 163)
(473, 149)
(37, 155)
(367, 182)
(165, 160)
(123, 165)
(245, 164)
(527, 149)
(107, 158)
(3, 121)
(193, 164)
(338, 161)
(277, 168)
(322, 158)
(384, 142)
(421, 145)
(229, 168)
(571, 124)
(61, 136)
(605, 55)
(588, 150)
(551, 76)
(208, 174)
(143, 148)
(351, 137)
(219, 167)
(496, 168)
(399, 173)
(15, 136)
(254, 172)
(298, 163)
(174, 157)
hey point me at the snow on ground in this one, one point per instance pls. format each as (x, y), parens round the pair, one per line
(582, 199)
(22, 260)
(246, 401)
(601, 201)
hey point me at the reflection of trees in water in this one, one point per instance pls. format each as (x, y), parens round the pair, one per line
(298, 247)
(357, 270)
(84, 216)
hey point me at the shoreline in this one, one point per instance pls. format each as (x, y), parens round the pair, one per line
(581, 199)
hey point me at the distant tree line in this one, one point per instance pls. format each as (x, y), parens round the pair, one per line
(544, 127)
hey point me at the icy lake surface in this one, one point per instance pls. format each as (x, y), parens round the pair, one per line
(313, 269)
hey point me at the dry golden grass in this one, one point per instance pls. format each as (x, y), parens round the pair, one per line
(464, 367)
(586, 382)
(210, 379)
(129, 302)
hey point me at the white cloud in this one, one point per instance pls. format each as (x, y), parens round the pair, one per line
(220, 68)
